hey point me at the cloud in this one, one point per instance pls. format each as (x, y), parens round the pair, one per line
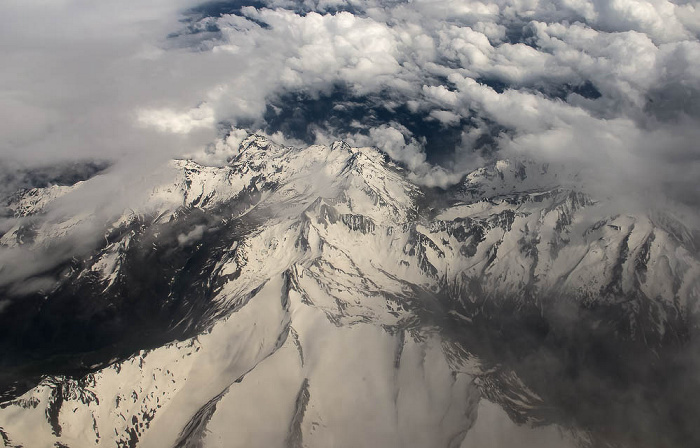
(445, 116)
(116, 77)
(167, 120)
(73, 76)
(609, 88)
(192, 236)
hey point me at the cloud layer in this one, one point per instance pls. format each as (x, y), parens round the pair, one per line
(610, 88)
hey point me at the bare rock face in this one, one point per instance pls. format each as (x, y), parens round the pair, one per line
(316, 297)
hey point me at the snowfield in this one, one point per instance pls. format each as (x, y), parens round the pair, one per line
(322, 293)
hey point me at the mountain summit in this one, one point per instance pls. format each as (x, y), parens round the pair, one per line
(317, 297)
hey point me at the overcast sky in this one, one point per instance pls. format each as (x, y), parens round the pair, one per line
(609, 88)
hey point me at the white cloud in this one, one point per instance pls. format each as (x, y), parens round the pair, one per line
(191, 237)
(656, 18)
(445, 116)
(104, 79)
(167, 120)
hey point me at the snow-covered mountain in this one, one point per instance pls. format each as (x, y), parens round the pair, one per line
(316, 297)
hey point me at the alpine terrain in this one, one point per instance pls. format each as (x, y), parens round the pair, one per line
(319, 297)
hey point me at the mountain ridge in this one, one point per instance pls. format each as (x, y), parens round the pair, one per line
(287, 256)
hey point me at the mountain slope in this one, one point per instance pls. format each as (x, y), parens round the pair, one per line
(317, 297)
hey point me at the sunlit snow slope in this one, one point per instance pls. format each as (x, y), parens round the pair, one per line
(317, 298)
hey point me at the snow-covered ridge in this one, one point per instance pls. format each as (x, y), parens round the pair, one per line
(321, 263)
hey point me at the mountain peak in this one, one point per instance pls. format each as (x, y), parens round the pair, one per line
(290, 266)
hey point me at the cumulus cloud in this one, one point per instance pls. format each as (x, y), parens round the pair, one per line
(139, 70)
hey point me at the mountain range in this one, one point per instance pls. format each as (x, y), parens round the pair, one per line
(320, 297)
